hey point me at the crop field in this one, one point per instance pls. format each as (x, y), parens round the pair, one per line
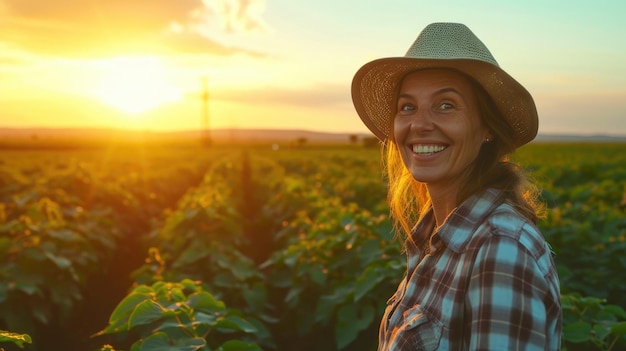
(180, 247)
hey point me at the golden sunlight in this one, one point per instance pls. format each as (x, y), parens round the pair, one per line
(135, 84)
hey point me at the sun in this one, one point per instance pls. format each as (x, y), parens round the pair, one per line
(135, 84)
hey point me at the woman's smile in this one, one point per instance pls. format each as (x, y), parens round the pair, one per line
(427, 149)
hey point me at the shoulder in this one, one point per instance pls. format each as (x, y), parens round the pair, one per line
(505, 235)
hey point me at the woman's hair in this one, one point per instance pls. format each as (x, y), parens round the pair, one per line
(409, 199)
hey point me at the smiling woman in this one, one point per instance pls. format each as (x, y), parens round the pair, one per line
(134, 85)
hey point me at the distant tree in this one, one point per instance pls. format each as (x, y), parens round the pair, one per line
(370, 142)
(353, 138)
(301, 141)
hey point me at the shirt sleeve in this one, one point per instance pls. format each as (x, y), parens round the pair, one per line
(508, 299)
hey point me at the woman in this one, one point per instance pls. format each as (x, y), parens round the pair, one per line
(480, 275)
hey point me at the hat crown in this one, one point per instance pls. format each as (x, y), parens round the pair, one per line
(449, 41)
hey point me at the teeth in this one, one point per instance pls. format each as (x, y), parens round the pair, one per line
(427, 149)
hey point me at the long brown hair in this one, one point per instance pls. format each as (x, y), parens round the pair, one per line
(409, 199)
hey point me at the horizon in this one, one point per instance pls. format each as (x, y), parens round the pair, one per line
(258, 64)
(260, 130)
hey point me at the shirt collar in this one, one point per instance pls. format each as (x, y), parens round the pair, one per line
(457, 229)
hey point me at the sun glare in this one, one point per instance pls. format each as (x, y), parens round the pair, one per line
(134, 85)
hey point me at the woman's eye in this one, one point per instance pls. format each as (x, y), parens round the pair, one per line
(446, 106)
(406, 107)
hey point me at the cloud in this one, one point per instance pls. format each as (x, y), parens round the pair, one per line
(96, 27)
(238, 15)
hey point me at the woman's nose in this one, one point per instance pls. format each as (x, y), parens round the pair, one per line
(422, 121)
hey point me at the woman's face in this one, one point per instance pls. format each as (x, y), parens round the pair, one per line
(437, 127)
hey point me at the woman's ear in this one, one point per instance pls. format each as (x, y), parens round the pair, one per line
(487, 138)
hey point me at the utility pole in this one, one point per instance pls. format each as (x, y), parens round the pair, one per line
(206, 132)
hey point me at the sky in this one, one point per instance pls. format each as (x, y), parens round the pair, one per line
(287, 64)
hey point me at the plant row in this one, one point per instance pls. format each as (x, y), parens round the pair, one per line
(69, 228)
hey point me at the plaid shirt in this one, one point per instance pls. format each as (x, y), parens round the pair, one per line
(487, 282)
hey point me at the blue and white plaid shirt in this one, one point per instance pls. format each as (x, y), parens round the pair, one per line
(488, 282)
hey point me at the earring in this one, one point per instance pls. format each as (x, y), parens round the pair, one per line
(486, 140)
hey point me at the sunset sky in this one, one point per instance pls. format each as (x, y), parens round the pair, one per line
(140, 64)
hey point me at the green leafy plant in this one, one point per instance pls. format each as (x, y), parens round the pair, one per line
(180, 316)
(205, 239)
(49, 251)
(584, 189)
(340, 266)
(590, 324)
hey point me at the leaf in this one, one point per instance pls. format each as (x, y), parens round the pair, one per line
(65, 235)
(242, 269)
(367, 281)
(136, 346)
(28, 286)
(291, 259)
(350, 322)
(385, 230)
(616, 310)
(177, 294)
(619, 328)
(280, 278)
(170, 324)
(193, 253)
(370, 251)
(238, 345)
(206, 318)
(63, 295)
(160, 341)
(317, 275)
(236, 323)
(17, 339)
(324, 309)
(293, 296)
(114, 327)
(189, 285)
(601, 331)
(577, 332)
(224, 280)
(256, 297)
(591, 301)
(205, 302)
(128, 304)
(59, 261)
(146, 312)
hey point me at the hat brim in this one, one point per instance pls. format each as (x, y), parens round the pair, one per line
(374, 90)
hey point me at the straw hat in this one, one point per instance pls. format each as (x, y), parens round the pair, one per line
(442, 45)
